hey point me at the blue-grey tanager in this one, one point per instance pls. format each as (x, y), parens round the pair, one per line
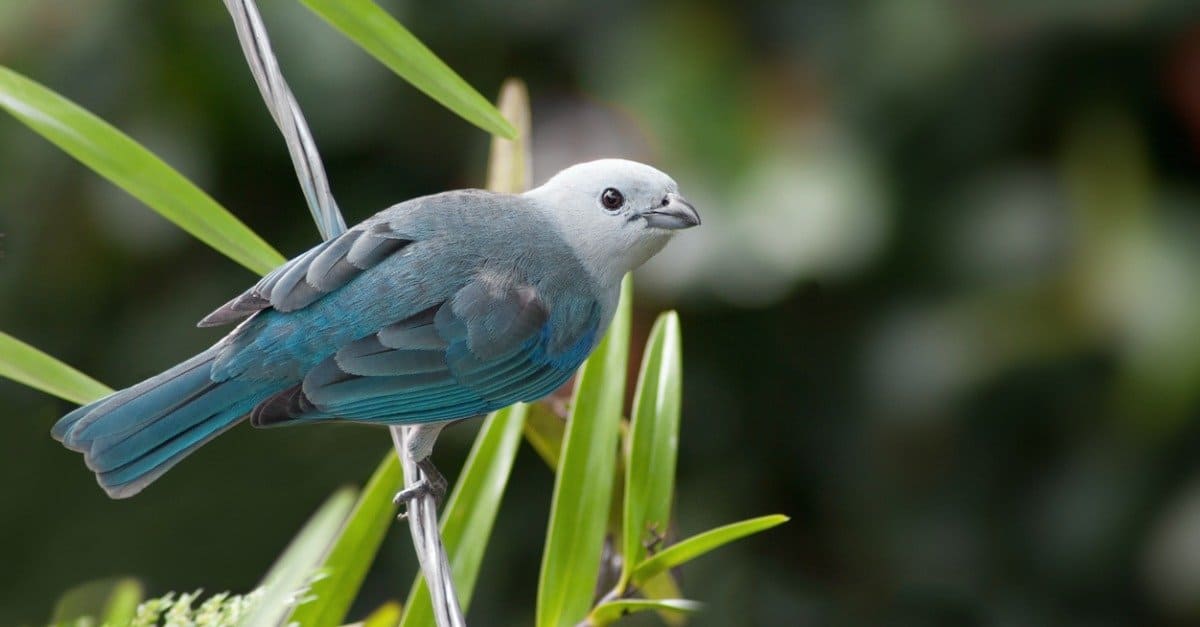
(436, 309)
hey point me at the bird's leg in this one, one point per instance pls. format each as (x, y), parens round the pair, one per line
(420, 447)
(433, 483)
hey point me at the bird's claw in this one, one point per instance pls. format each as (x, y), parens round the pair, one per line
(432, 484)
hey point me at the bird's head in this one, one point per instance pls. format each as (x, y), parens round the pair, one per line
(615, 213)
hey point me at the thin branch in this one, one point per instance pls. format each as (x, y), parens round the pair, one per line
(282, 104)
(422, 513)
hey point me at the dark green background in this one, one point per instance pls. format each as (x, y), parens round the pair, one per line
(944, 310)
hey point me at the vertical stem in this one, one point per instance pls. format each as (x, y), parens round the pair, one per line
(422, 513)
(283, 108)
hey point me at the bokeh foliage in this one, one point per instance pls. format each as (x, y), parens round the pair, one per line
(939, 311)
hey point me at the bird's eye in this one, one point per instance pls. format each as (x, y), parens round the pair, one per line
(612, 199)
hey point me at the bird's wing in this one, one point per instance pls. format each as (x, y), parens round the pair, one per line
(490, 345)
(323, 269)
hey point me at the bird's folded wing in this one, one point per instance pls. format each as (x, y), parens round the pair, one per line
(323, 269)
(490, 345)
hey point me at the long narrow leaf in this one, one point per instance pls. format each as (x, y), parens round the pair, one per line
(296, 568)
(653, 440)
(369, 26)
(471, 511)
(663, 586)
(509, 170)
(702, 543)
(346, 566)
(25, 364)
(584, 483)
(122, 602)
(116, 157)
(612, 611)
(388, 615)
(544, 431)
(102, 602)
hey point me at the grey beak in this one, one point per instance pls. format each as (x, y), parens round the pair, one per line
(675, 213)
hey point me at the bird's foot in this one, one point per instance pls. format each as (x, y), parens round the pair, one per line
(432, 484)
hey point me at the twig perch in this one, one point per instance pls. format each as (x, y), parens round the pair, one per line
(422, 513)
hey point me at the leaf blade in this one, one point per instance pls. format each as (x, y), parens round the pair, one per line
(295, 567)
(702, 543)
(584, 483)
(387, 615)
(471, 510)
(381, 36)
(29, 366)
(663, 586)
(612, 611)
(509, 167)
(653, 440)
(123, 602)
(346, 566)
(102, 601)
(544, 431)
(128, 165)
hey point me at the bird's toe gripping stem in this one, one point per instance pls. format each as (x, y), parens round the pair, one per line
(433, 483)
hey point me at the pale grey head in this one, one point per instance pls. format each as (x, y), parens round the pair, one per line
(614, 213)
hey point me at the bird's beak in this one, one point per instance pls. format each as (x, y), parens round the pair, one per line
(675, 214)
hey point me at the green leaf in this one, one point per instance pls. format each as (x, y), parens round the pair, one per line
(702, 543)
(508, 165)
(122, 602)
(612, 611)
(663, 586)
(385, 39)
(388, 615)
(471, 511)
(131, 167)
(295, 569)
(653, 441)
(584, 482)
(25, 364)
(116, 157)
(544, 431)
(102, 602)
(346, 566)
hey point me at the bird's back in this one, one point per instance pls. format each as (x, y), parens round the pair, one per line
(451, 240)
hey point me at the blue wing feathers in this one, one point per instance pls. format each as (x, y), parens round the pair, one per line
(292, 291)
(112, 451)
(129, 478)
(369, 357)
(372, 248)
(485, 348)
(136, 434)
(330, 268)
(132, 407)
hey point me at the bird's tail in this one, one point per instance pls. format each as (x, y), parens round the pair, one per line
(131, 437)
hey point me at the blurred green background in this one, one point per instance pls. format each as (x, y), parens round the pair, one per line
(944, 309)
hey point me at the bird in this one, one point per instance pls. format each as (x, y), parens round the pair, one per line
(434, 310)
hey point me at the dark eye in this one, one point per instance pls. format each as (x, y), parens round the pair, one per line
(612, 199)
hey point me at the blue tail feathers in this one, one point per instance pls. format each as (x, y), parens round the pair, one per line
(131, 437)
